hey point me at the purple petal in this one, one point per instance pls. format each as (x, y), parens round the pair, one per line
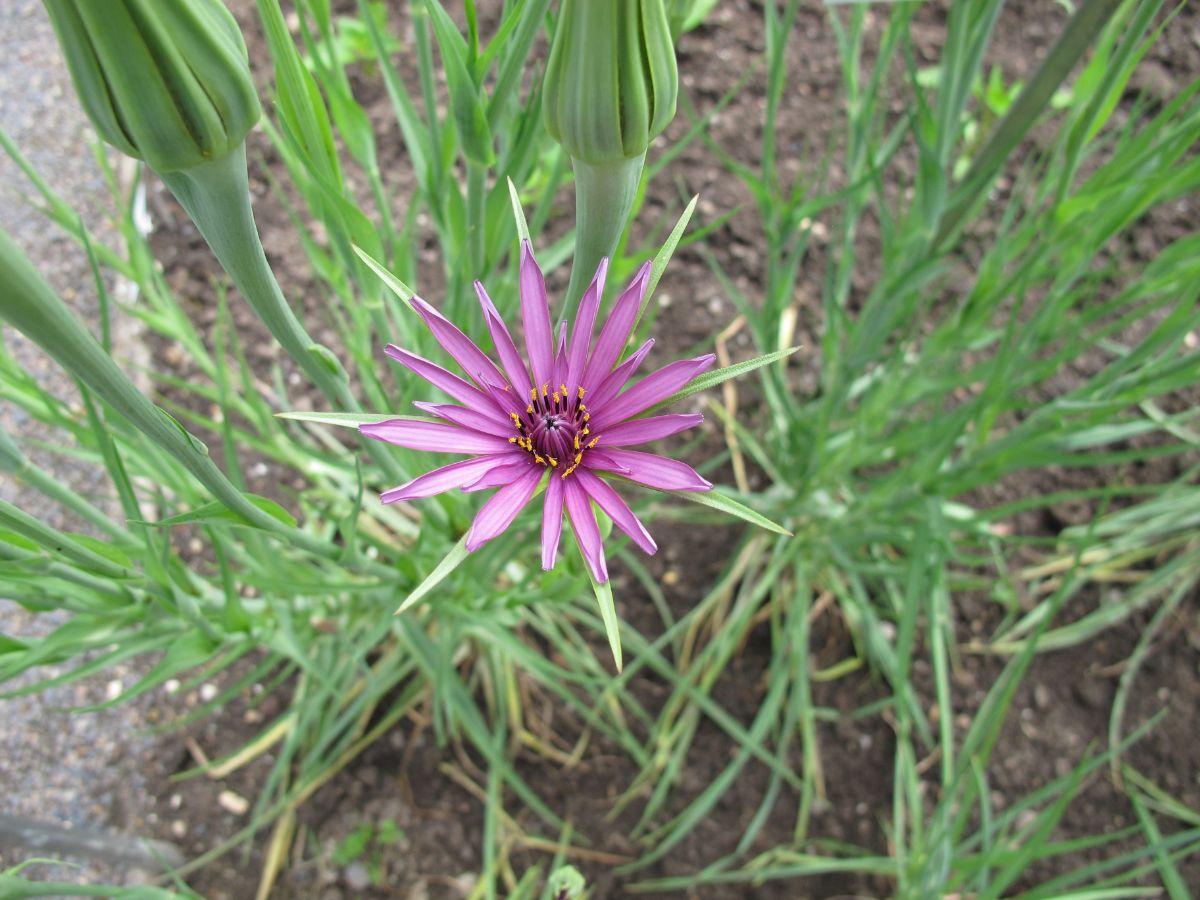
(552, 514)
(654, 471)
(434, 436)
(616, 330)
(473, 360)
(617, 378)
(618, 510)
(485, 420)
(652, 389)
(558, 372)
(583, 521)
(437, 376)
(600, 460)
(439, 480)
(535, 311)
(500, 475)
(510, 357)
(503, 506)
(585, 322)
(639, 431)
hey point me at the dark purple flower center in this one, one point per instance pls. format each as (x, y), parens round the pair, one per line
(554, 428)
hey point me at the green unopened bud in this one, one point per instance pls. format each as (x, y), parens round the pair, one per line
(166, 81)
(610, 89)
(611, 82)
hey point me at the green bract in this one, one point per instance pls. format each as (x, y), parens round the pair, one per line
(167, 82)
(611, 82)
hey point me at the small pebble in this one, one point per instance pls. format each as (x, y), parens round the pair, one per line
(1041, 696)
(233, 802)
(357, 877)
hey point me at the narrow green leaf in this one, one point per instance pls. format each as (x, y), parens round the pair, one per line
(393, 284)
(217, 512)
(608, 612)
(663, 257)
(347, 420)
(726, 504)
(518, 212)
(187, 651)
(712, 379)
(448, 564)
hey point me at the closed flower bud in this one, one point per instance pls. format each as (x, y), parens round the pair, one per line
(611, 82)
(166, 81)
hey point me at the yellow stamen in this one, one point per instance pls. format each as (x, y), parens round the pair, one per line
(533, 393)
(512, 440)
(578, 458)
(529, 409)
(582, 408)
(586, 416)
(586, 430)
(567, 472)
(557, 399)
(563, 388)
(576, 442)
(545, 389)
(538, 459)
(592, 443)
(553, 463)
(580, 393)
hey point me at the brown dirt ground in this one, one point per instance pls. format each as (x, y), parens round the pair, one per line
(1062, 706)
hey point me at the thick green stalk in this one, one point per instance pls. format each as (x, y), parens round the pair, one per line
(1076, 38)
(217, 197)
(604, 195)
(33, 308)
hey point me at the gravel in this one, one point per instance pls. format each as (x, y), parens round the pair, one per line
(79, 771)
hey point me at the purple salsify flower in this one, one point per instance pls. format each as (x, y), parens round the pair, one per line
(567, 414)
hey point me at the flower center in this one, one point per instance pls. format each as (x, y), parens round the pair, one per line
(554, 428)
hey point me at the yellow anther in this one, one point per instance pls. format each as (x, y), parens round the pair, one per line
(586, 416)
(563, 388)
(578, 458)
(576, 442)
(581, 392)
(592, 443)
(538, 459)
(582, 408)
(529, 409)
(553, 463)
(586, 430)
(512, 440)
(516, 418)
(533, 393)
(567, 472)
(557, 399)
(545, 389)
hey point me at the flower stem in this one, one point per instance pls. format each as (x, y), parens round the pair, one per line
(604, 195)
(217, 197)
